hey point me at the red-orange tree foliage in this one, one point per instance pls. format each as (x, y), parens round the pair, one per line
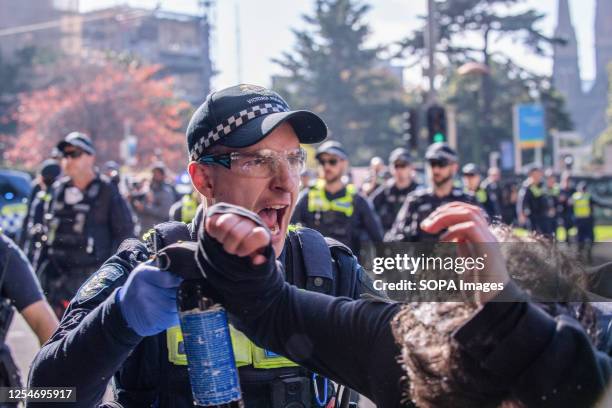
(99, 100)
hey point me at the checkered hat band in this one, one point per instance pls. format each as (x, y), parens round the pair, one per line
(232, 123)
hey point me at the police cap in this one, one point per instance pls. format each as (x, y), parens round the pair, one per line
(441, 151)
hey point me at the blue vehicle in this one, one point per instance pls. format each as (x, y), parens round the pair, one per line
(15, 188)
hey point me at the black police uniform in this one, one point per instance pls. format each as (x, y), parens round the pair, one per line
(19, 288)
(416, 208)
(532, 202)
(94, 330)
(81, 233)
(362, 225)
(352, 341)
(495, 192)
(387, 201)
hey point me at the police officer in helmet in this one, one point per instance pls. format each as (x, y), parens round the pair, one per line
(441, 169)
(244, 149)
(334, 208)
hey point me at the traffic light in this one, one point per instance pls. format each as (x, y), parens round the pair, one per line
(436, 124)
(410, 127)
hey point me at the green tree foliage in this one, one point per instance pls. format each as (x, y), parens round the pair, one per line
(510, 85)
(466, 31)
(467, 28)
(332, 72)
(13, 80)
(606, 137)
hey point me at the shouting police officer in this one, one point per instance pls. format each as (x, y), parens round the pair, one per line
(389, 197)
(86, 220)
(442, 167)
(334, 208)
(244, 148)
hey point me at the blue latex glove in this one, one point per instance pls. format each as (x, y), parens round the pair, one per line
(148, 299)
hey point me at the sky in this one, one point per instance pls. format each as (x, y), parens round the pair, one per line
(264, 28)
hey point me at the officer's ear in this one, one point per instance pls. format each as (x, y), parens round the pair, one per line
(201, 179)
(455, 167)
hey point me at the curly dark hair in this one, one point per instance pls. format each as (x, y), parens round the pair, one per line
(439, 373)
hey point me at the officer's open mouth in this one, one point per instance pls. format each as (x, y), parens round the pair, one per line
(273, 217)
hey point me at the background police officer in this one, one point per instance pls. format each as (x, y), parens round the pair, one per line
(334, 208)
(564, 206)
(85, 222)
(127, 311)
(158, 199)
(552, 192)
(184, 210)
(20, 289)
(388, 198)
(531, 203)
(32, 230)
(442, 168)
(472, 184)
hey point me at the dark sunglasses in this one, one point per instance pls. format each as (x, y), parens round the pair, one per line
(74, 154)
(400, 165)
(438, 163)
(331, 162)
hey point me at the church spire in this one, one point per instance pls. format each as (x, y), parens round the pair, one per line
(566, 73)
(603, 38)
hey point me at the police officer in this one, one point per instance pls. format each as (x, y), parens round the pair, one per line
(244, 146)
(85, 222)
(551, 195)
(20, 289)
(494, 188)
(185, 209)
(334, 208)
(531, 202)
(583, 204)
(504, 348)
(472, 185)
(564, 206)
(388, 198)
(32, 230)
(442, 167)
(157, 200)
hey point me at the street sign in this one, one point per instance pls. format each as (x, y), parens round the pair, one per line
(529, 126)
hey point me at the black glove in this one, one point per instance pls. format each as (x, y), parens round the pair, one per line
(245, 288)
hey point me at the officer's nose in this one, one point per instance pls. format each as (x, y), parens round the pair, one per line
(284, 179)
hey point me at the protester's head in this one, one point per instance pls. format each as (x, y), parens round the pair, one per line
(442, 163)
(78, 154)
(401, 165)
(471, 176)
(494, 174)
(49, 171)
(333, 161)
(244, 148)
(439, 372)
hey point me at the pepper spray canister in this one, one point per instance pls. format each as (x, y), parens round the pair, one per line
(210, 357)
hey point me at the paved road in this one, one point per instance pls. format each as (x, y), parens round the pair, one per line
(23, 343)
